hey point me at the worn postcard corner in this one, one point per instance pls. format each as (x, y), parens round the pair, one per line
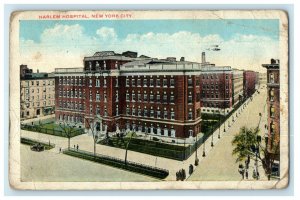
(191, 99)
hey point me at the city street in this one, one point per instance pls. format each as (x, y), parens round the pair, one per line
(219, 164)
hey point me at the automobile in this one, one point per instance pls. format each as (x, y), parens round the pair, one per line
(37, 147)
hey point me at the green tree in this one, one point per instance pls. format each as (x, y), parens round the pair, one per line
(243, 142)
(248, 143)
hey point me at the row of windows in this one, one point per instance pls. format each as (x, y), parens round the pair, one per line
(38, 90)
(38, 104)
(166, 82)
(71, 81)
(213, 76)
(71, 105)
(71, 118)
(37, 97)
(152, 130)
(40, 82)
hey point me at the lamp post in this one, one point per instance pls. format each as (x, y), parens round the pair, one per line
(224, 99)
(219, 134)
(196, 154)
(203, 141)
(212, 138)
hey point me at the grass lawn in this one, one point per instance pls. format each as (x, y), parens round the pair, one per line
(149, 147)
(54, 129)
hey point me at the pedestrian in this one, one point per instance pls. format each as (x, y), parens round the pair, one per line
(246, 173)
(77, 147)
(59, 149)
(74, 146)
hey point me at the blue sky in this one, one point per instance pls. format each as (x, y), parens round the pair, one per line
(244, 44)
(32, 29)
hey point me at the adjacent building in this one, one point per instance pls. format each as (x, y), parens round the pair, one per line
(216, 89)
(37, 93)
(237, 86)
(250, 83)
(273, 106)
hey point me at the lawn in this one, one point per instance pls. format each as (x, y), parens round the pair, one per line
(149, 147)
(54, 129)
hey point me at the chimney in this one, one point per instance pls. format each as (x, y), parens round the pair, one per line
(203, 57)
(182, 59)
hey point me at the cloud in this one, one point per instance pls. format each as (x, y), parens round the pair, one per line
(66, 45)
(106, 33)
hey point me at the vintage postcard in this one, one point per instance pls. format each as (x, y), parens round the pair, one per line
(149, 100)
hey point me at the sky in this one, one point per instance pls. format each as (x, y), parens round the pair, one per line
(244, 44)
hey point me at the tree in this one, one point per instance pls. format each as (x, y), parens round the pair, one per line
(68, 130)
(127, 145)
(248, 144)
(92, 125)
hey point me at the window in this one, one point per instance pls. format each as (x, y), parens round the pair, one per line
(191, 133)
(190, 82)
(91, 109)
(226, 76)
(133, 111)
(271, 79)
(105, 96)
(90, 82)
(104, 82)
(97, 83)
(173, 132)
(157, 82)
(165, 97)
(272, 94)
(145, 97)
(165, 114)
(165, 82)
(158, 113)
(272, 111)
(190, 117)
(172, 99)
(272, 128)
(133, 96)
(139, 97)
(158, 97)
(139, 112)
(127, 82)
(97, 110)
(172, 114)
(117, 110)
(128, 111)
(117, 82)
(91, 96)
(139, 82)
(133, 81)
(152, 113)
(151, 97)
(190, 97)
(151, 82)
(172, 82)
(97, 96)
(145, 112)
(117, 96)
(145, 82)
(127, 96)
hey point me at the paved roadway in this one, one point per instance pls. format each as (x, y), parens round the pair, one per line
(217, 165)
(220, 163)
(54, 167)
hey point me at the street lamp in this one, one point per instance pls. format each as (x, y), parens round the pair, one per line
(219, 134)
(203, 141)
(212, 138)
(196, 158)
